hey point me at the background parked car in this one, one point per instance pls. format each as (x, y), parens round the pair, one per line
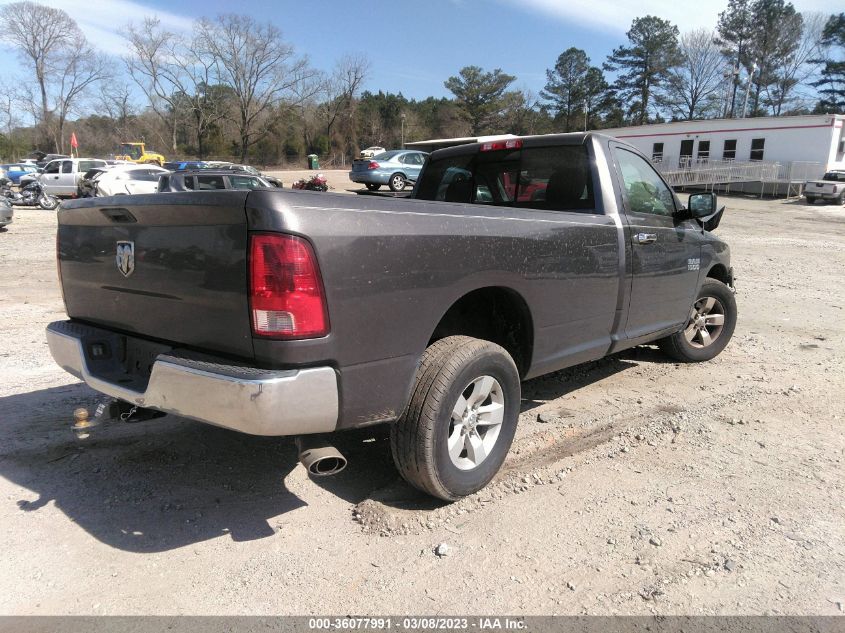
(209, 180)
(830, 188)
(249, 169)
(394, 168)
(372, 151)
(129, 179)
(14, 171)
(46, 158)
(182, 165)
(61, 177)
(6, 212)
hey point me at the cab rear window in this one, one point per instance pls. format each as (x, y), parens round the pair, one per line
(557, 178)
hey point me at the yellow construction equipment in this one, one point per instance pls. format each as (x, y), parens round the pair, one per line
(137, 153)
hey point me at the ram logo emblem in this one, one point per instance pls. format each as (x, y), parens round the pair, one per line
(125, 258)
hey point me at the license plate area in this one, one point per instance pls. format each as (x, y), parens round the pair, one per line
(122, 360)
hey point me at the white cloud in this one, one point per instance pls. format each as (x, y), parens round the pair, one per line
(102, 20)
(616, 15)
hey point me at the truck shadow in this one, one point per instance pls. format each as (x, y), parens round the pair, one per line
(164, 484)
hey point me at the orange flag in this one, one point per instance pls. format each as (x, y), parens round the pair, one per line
(73, 142)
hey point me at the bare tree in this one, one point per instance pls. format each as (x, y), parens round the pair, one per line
(260, 68)
(693, 87)
(42, 36)
(8, 121)
(341, 91)
(79, 68)
(116, 101)
(797, 70)
(147, 63)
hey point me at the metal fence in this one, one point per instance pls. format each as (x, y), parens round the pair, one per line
(709, 174)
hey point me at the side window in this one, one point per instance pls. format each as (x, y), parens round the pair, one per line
(645, 192)
(757, 145)
(447, 180)
(244, 182)
(556, 178)
(67, 167)
(189, 183)
(729, 151)
(53, 167)
(205, 183)
(703, 150)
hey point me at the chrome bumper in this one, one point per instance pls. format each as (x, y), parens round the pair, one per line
(250, 400)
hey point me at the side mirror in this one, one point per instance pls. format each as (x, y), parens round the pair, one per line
(701, 205)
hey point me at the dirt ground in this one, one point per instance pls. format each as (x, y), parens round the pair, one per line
(645, 487)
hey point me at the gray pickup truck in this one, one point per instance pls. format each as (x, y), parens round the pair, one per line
(277, 312)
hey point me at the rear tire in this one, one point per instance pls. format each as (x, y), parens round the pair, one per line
(373, 186)
(710, 326)
(397, 182)
(459, 425)
(811, 199)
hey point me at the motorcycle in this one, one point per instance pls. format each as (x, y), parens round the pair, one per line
(32, 195)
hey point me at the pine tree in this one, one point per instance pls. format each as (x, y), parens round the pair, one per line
(653, 51)
(831, 85)
(480, 95)
(736, 30)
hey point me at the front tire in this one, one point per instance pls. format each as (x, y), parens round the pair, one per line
(460, 423)
(47, 202)
(709, 328)
(397, 182)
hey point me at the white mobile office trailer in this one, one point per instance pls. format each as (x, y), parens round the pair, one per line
(795, 148)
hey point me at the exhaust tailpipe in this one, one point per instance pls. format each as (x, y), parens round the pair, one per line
(320, 458)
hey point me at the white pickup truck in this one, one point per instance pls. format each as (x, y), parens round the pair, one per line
(830, 187)
(61, 176)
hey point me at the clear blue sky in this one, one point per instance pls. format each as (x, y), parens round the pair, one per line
(415, 45)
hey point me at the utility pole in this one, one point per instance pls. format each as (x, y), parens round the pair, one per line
(402, 116)
(748, 88)
(735, 82)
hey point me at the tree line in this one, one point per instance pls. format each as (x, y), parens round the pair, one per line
(234, 88)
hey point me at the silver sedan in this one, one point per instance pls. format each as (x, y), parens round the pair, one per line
(6, 212)
(395, 169)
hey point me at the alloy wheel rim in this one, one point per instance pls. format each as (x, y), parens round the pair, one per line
(476, 422)
(706, 322)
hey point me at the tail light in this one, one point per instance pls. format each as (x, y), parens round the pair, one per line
(286, 291)
(514, 143)
(373, 165)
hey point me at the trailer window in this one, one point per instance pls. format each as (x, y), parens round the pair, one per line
(703, 150)
(729, 150)
(757, 145)
(657, 153)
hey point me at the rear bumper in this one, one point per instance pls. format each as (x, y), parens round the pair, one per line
(373, 177)
(246, 399)
(822, 195)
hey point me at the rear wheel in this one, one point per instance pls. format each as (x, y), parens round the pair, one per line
(460, 423)
(709, 328)
(397, 182)
(841, 199)
(811, 199)
(373, 186)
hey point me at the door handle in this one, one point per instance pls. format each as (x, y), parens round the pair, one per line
(645, 238)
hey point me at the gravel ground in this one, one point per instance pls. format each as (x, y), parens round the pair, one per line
(635, 486)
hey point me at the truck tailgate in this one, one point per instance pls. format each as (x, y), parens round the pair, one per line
(161, 266)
